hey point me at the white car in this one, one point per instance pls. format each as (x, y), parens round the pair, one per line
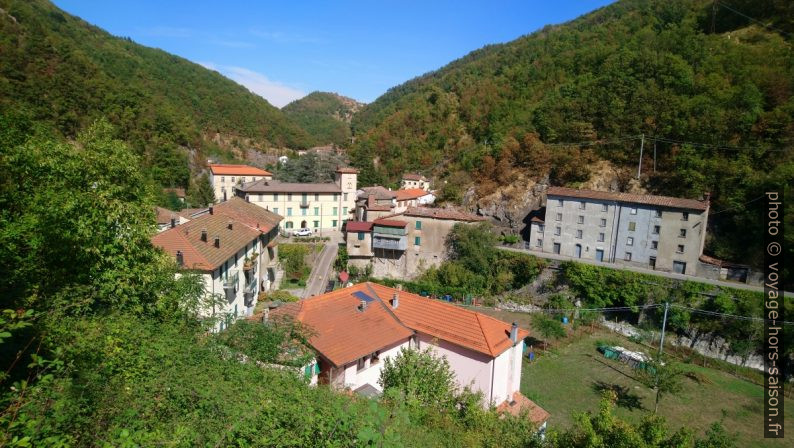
(302, 232)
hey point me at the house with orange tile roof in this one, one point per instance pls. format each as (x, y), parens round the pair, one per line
(413, 197)
(402, 245)
(167, 219)
(354, 329)
(228, 247)
(225, 177)
(413, 180)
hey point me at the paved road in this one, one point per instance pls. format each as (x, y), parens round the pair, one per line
(322, 269)
(640, 270)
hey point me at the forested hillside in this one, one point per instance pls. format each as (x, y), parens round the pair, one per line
(324, 116)
(677, 71)
(65, 73)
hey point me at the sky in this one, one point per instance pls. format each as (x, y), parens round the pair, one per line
(283, 50)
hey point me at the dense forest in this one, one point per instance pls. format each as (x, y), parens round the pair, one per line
(325, 117)
(65, 73)
(676, 71)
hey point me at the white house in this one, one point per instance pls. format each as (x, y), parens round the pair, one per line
(224, 178)
(228, 252)
(356, 328)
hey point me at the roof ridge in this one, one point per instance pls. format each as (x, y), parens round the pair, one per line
(484, 336)
(388, 310)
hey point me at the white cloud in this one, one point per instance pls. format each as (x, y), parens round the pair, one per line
(275, 92)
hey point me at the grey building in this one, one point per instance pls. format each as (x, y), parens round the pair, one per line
(656, 232)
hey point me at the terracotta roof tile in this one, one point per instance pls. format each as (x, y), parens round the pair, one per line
(442, 213)
(249, 214)
(346, 170)
(380, 193)
(410, 193)
(470, 329)
(413, 176)
(629, 198)
(237, 170)
(201, 255)
(389, 223)
(342, 333)
(358, 226)
(520, 403)
(275, 186)
(164, 215)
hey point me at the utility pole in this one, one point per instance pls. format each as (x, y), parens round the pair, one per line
(639, 165)
(654, 156)
(664, 324)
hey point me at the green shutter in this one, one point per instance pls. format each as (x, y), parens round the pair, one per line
(418, 225)
(417, 240)
(360, 236)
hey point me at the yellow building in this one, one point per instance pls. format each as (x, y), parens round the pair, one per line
(315, 206)
(224, 178)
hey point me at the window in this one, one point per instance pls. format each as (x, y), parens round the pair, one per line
(336, 211)
(559, 216)
(361, 236)
(582, 205)
(289, 224)
(604, 207)
(654, 245)
(558, 231)
(275, 196)
(630, 241)
(632, 226)
(345, 197)
(333, 223)
(542, 228)
(374, 358)
(275, 210)
(304, 197)
(682, 233)
(316, 224)
(559, 202)
(242, 179)
(316, 196)
(303, 212)
(316, 211)
(539, 243)
(418, 225)
(600, 237)
(289, 211)
(628, 256)
(580, 219)
(418, 240)
(685, 216)
(656, 230)
(603, 222)
(344, 211)
(680, 249)
(633, 210)
(232, 180)
(658, 213)
(579, 234)
(223, 179)
(260, 197)
(362, 363)
(336, 197)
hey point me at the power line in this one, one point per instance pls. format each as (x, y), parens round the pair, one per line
(738, 206)
(729, 316)
(711, 146)
(613, 308)
(752, 19)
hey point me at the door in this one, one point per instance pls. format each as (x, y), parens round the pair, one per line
(303, 224)
(652, 262)
(679, 267)
(556, 248)
(599, 254)
(578, 251)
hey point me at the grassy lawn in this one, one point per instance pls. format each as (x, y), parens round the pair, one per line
(570, 378)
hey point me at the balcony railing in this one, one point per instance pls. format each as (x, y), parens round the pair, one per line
(231, 279)
(304, 204)
(380, 242)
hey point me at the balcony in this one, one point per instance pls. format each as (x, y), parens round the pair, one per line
(249, 292)
(231, 279)
(304, 204)
(389, 242)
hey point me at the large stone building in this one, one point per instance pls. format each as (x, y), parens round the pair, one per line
(224, 178)
(232, 248)
(656, 232)
(316, 206)
(404, 244)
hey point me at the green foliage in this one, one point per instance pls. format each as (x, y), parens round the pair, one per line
(629, 68)
(421, 379)
(324, 116)
(663, 376)
(312, 167)
(281, 341)
(340, 264)
(200, 192)
(547, 327)
(293, 258)
(281, 295)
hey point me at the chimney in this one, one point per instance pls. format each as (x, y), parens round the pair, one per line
(204, 235)
(363, 305)
(217, 241)
(395, 300)
(211, 210)
(180, 259)
(514, 333)
(173, 221)
(230, 225)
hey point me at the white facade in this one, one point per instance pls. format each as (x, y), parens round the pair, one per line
(365, 370)
(224, 184)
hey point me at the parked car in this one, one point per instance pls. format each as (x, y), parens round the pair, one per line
(302, 232)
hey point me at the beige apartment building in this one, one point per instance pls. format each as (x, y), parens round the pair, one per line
(225, 178)
(315, 206)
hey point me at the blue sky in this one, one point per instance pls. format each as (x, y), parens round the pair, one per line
(284, 50)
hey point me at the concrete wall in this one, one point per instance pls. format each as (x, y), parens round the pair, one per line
(350, 377)
(507, 374)
(357, 247)
(471, 368)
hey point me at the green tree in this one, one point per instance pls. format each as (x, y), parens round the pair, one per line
(547, 327)
(664, 377)
(200, 192)
(420, 379)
